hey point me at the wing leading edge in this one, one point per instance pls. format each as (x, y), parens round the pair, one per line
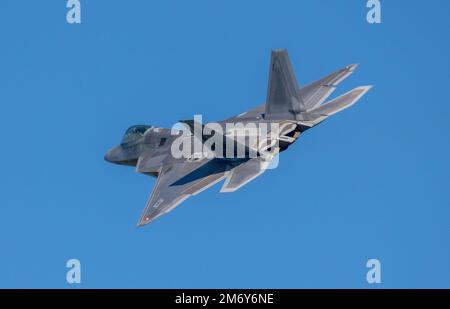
(177, 182)
(166, 196)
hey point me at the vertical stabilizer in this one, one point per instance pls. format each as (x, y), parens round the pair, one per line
(283, 96)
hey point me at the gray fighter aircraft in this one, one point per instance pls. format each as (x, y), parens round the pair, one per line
(293, 108)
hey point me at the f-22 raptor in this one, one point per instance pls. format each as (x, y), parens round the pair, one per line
(292, 108)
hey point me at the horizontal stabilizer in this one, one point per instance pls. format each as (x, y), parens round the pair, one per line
(243, 174)
(317, 92)
(339, 103)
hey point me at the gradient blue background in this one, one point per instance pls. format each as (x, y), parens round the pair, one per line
(372, 182)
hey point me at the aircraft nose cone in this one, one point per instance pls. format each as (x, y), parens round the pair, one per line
(111, 155)
(107, 156)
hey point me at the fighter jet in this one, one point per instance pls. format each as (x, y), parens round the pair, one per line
(289, 111)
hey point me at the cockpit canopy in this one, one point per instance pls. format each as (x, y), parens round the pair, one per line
(135, 132)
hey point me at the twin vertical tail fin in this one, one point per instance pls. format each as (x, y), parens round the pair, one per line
(284, 100)
(287, 101)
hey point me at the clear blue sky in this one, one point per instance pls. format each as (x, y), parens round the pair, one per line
(372, 182)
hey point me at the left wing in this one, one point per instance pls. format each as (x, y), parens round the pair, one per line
(178, 181)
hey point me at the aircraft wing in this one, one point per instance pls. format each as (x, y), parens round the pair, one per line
(177, 182)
